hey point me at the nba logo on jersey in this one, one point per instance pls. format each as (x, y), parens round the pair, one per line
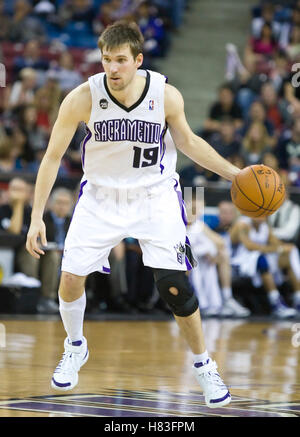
(151, 105)
(103, 103)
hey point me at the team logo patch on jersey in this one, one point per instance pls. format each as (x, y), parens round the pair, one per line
(151, 105)
(180, 251)
(103, 103)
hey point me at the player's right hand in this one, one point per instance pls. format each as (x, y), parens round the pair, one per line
(37, 230)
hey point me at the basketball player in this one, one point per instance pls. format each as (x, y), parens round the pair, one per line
(260, 255)
(211, 277)
(127, 114)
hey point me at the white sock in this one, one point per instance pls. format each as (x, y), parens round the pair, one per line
(273, 296)
(72, 314)
(201, 358)
(227, 293)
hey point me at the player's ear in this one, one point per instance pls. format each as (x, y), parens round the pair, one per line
(139, 60)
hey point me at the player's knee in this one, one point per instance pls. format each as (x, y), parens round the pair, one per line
(71, 286)
(262, 264)
(175, 289)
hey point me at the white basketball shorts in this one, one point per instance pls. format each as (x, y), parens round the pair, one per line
(104, 216)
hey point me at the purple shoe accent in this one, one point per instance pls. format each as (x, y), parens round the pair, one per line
(201, 364)
(60, 384)
(215, 401)
(76, 343)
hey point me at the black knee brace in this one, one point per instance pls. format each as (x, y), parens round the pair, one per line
(185, 302)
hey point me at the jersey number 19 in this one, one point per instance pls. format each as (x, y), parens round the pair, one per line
(144, 157)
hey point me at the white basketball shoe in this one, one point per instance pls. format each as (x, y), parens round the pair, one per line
(65, 376)
(232, 308)
(215, 391)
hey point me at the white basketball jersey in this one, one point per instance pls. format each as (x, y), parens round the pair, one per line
(128, 147)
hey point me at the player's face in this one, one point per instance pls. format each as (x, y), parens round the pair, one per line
(120, 66)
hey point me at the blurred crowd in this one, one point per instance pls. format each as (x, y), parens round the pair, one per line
(50, 47)
(256, 115)
(255, 118)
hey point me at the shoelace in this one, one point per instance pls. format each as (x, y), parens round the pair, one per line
(63, 363)
(215, 379)
(213, 376)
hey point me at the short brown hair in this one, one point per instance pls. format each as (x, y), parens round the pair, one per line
(120, 33)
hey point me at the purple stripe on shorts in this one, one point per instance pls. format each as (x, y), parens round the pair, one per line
(162, 148)
(84, 141)
(184, 218)
(181, 203)
(80, 194)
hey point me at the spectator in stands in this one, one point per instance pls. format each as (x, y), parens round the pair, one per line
(255, 143)
(279, 71)
(24, 26)
(22, 91)
(257, 113)
(288, 152)
(57, 220)
(287, 27)
(9, 154)
(66, 74)
(224, 106)
(152, 28)
(31, 58)
(285, 222)
(58, 216)
(76, 20)
(194, 175)
(260, 49)
(266, 16)
(293, 48)
(222, 223)
(15, 215)
(224, 141)
(5, 23)
(211, 278)
(259, 255)
(73, 154)
(291, 91)
(47, 101)
(111, 11)
(15, 218)
(275, 110)
(270, 159)
(35, 138)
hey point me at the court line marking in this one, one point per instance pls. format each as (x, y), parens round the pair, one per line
(101, 406)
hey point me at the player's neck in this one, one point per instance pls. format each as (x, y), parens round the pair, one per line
(131, 94)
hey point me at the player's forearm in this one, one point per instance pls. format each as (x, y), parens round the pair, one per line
(260, 247)
(45, 180)
(205, 155)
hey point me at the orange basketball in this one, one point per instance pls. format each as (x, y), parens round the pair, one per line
(257, 191)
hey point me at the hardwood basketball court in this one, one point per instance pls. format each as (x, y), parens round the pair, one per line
(143, 368)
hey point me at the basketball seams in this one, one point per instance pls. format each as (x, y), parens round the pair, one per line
(274, 176)
(261, 192)
(259, 207)
(237, 184)
(261, 210)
